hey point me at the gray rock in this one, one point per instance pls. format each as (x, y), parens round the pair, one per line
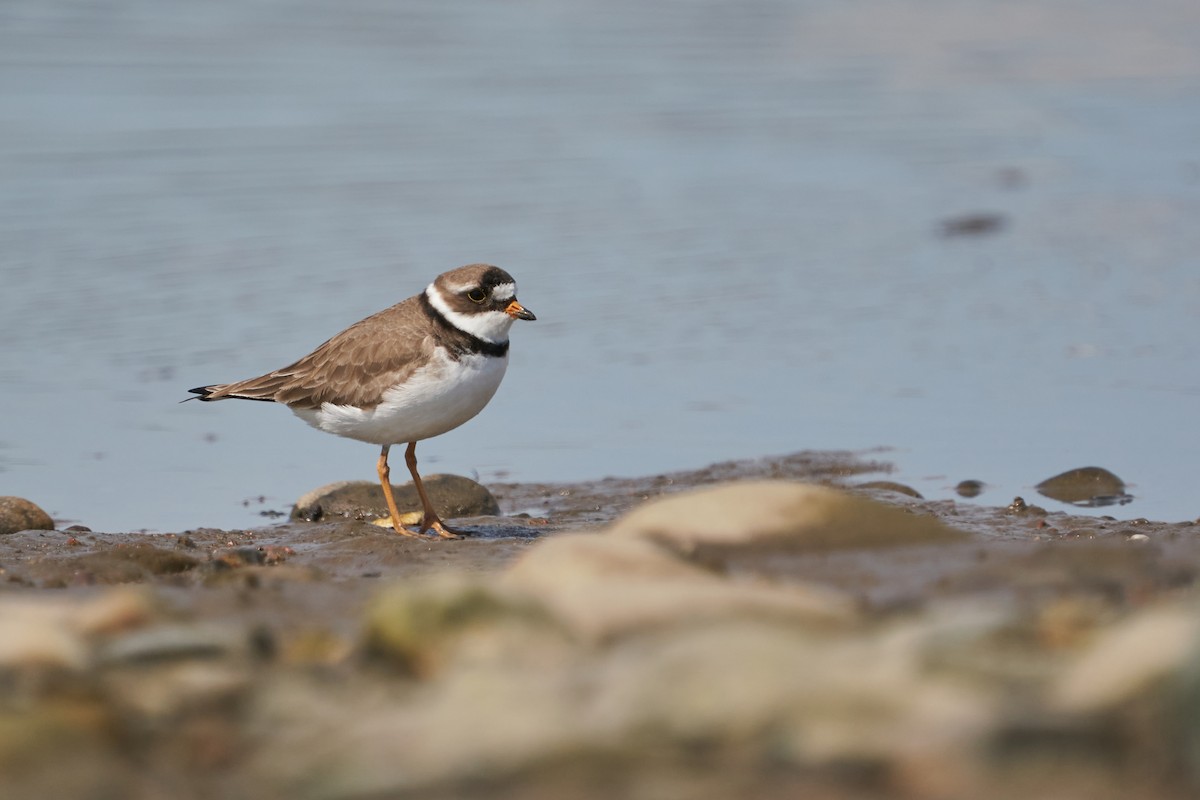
(18, 514)
(452, 495)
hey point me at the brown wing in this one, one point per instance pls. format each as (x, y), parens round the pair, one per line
(355, 367)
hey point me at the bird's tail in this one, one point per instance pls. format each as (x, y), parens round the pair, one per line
(256, 389)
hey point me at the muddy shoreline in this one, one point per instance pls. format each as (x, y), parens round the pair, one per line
(223, 661)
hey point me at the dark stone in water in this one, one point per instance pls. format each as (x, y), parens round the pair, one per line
(1086, 487)
(970, 488)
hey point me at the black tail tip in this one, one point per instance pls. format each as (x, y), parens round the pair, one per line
(202, 391)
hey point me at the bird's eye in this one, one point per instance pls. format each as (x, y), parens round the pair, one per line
(477, 295)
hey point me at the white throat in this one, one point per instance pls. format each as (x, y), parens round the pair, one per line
(490, 326)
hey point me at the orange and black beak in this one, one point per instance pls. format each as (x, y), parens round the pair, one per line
(518, 311)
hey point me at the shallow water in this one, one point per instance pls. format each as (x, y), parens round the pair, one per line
(729, 221)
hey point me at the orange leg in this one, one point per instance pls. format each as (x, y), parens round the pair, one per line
(385, 480)
(431, 522)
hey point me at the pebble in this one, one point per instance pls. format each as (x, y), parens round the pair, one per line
(970, 488)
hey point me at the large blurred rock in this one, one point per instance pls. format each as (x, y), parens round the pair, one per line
(19, 514)
(1128, 660)
(779, 515)
(40, 636)
(452, 495)
(419, 627)
(817, 697)
(759, 686)
(603, 586)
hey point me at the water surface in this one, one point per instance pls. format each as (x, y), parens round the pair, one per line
(727, 218)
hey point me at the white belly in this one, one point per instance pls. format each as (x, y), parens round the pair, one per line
(435, 399)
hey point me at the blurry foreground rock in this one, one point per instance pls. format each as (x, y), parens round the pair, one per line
(603, 586)
(19, 514)
(453, 495)
(92, 686)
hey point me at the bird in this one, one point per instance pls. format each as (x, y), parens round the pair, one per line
(405, 374)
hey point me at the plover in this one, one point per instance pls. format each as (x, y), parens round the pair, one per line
(411, 372)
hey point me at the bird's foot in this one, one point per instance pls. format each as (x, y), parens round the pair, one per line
(436, 526)
(427, 525)
(398, 525)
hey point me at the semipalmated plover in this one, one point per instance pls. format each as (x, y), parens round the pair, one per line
(413, 371)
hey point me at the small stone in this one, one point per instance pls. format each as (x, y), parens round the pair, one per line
(249, 555)
(970, 488)
(452, 495)
(18, 514)
(234, 557)
(1019, 506)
